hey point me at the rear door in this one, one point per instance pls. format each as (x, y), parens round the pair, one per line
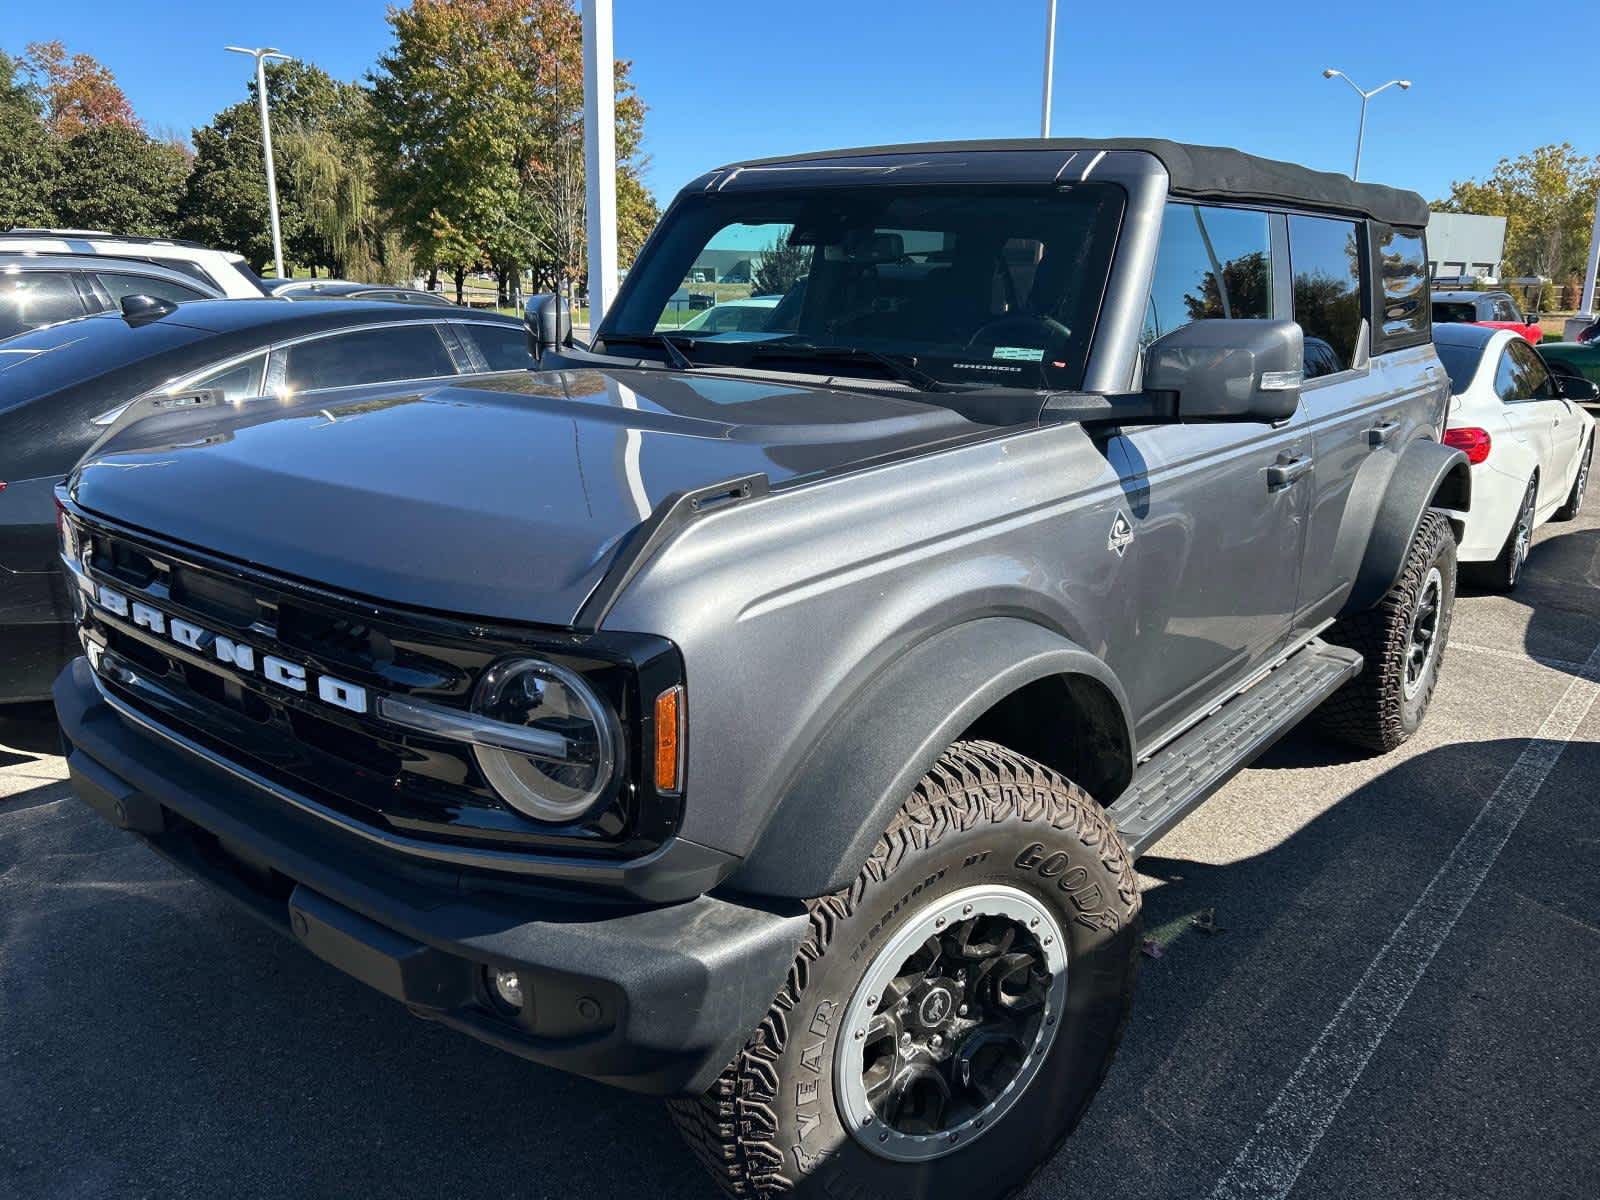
(1360, 406)
(1217, 537)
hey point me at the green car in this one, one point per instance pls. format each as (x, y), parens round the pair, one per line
(1566, 358)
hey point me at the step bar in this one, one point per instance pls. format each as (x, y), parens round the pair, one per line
(1190, 768)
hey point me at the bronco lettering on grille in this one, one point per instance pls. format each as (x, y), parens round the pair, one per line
(279, 672)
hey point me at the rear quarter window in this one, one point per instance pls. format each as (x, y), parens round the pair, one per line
(1400, 259)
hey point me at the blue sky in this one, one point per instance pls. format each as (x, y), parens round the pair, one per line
(730, 80)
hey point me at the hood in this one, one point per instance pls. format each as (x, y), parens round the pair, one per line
(504, 497)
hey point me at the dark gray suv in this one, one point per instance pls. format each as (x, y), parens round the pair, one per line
(771, 718)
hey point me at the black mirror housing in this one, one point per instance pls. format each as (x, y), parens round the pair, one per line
(1229, 370)
(139, 309)
(1579, 389)
(549, 321)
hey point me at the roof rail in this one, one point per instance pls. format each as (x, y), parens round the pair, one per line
(132, 239)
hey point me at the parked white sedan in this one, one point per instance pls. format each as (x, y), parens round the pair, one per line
(1528, 440)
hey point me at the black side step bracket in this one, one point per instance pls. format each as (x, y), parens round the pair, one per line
(1185, 772)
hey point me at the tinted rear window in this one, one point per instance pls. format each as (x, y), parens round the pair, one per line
(1449, 312)
(1460, 363)
(29, 299)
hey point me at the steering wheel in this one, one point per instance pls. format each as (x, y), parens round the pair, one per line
(1018, 327)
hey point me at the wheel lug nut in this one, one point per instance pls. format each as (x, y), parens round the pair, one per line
(939, 924)
(1033, 924)
(967, 911)
(872, 1002)
(860, 1033)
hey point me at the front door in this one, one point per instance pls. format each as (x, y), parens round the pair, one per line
(1216, 512)
(1539, 418)
(1216, 516)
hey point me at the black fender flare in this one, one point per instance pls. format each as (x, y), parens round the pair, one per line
(888, 736)
(1427, 475)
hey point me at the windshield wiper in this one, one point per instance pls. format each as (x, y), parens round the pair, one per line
(674, 355)
(901, 367)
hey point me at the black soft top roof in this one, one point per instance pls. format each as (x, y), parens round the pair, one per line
(1204, 172)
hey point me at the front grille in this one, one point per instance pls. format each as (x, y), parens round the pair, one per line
(353, 763)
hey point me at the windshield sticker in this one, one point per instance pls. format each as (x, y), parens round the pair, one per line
(1018, 354)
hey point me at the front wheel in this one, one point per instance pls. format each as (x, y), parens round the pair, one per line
(1580, 483)
(1402, 641)
(951, 1014)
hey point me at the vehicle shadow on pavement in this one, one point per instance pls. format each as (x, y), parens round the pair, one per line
(29, 729)
(1254, 958)
(1560, 590)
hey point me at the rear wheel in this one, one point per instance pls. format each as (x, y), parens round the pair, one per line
(951, 1014)
(1503, 574)
(1402, 641)
(1574, 505)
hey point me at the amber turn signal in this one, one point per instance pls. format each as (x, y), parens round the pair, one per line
(669, 731)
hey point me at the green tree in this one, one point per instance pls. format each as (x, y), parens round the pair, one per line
(224, 202)
(780, 267)
(478, 108)
(28, 152)
(117, 178)
(1548, 199)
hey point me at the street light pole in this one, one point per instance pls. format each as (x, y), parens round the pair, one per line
(1361, 129)
(1593, 268)
(261, 55)
(600, 150)
(1049, 65)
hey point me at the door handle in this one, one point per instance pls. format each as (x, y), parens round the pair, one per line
(1380, 433)
(1283, 474)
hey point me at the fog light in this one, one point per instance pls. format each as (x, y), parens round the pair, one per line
(505, 987)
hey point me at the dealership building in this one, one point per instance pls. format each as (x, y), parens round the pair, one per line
(1466, 245)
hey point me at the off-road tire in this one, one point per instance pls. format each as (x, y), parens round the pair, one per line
(1372, 710)
(771, 1126)
(1574, 503)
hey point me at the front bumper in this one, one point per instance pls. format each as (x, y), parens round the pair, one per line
(654, 999)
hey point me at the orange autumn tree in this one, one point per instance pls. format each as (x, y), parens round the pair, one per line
(79, 92)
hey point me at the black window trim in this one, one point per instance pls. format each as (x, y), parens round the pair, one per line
(471, 341)
(1361, 365)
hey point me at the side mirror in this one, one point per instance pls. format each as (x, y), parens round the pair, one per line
(141, 309)
(1579, 389)
(1238, 370)
(549, 322)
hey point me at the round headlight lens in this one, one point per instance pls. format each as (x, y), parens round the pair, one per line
(564, 781)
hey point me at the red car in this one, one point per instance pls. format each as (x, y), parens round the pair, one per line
(1494, 309)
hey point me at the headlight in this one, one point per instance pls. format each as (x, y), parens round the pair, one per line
(567, 757)
(69, 536)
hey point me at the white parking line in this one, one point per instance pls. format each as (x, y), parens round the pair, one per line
(1271, 1162)
(1521, 656)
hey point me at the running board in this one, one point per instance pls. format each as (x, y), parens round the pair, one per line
(1178, 779)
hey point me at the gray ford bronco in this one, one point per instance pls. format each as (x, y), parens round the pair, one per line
(767, 713)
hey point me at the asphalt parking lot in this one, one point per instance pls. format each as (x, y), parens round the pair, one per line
(1403, 1001)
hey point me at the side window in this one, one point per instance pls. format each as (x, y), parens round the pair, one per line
(120, 285)
(412, 351)
(1504, 310)
(238, 382)
(504, 347)
(1522, 375)
(1326, 259)
(1401, 260)
(1212, 263)
(30, 299)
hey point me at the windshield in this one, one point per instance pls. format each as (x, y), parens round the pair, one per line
(990, 286)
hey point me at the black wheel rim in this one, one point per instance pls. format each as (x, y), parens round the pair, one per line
(1424, 641)
(951, 1022)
